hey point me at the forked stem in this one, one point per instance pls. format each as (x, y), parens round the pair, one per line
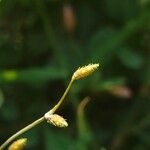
(79, 73)
(38, 121)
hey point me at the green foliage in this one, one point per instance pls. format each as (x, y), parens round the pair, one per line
(57, 140)
(38, 54)
(130, 58)
(1, 98)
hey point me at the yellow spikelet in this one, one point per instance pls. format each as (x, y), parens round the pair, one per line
(18, 145)
(56, 120)
(82, 72)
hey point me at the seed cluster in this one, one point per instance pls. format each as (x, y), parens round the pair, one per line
(56, 120)
(82, 72)
(18, 145)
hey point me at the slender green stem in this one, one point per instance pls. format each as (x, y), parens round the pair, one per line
(38, 121)
(62, 98)
(35, 123)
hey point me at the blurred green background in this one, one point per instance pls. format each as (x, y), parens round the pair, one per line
(42, 42)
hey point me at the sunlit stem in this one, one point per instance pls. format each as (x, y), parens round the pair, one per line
(38, 121)
(62, 98)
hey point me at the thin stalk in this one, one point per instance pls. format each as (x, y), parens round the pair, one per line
(38, 121)
(30, 126)
(62, 98)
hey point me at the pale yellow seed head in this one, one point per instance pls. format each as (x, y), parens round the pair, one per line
(18, 145)
(56, 120)
(82, 72)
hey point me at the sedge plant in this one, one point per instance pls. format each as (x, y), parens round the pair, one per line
(50, 116)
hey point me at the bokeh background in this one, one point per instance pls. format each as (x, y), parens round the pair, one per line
(42, 42)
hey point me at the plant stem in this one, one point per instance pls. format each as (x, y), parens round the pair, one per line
(62, 98)
(35, 123)
(38, 121)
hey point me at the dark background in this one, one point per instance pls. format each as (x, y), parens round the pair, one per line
(42, 42)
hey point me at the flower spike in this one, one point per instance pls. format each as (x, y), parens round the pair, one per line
(82, 72)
